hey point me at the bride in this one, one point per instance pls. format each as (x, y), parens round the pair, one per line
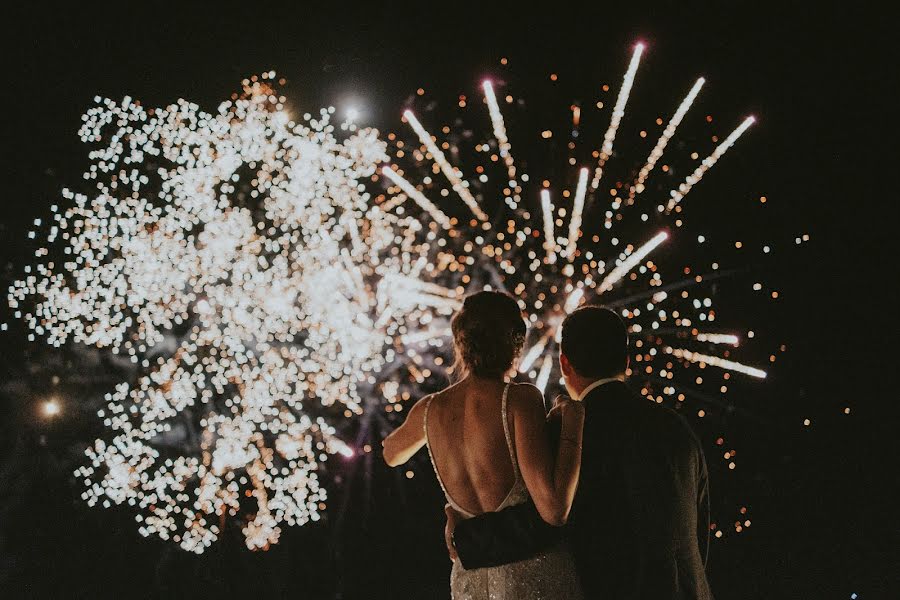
(489, 447)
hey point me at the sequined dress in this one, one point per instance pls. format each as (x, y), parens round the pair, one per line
(550, 575)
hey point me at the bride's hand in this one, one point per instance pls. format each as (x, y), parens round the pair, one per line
(565, 408)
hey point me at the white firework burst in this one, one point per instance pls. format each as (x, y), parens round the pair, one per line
(235, 258)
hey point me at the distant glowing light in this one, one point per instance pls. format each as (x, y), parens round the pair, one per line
(51, 408)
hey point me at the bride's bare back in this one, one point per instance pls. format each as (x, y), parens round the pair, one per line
(468, 444)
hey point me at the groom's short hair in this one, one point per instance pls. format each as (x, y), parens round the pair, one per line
(595, 340)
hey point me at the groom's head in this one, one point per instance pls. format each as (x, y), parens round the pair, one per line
(594, 346)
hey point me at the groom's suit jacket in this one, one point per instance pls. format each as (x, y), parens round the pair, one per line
(639, 525)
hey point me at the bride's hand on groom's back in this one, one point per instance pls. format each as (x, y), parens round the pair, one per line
(565, 408)
(555, 413)
(566, 420)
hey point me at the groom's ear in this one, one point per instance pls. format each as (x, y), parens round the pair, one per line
(564, 365)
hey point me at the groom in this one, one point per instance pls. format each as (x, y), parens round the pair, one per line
(639, 525)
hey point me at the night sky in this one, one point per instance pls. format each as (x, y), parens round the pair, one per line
(824, 515)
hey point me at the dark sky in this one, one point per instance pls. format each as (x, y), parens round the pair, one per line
(814, 77)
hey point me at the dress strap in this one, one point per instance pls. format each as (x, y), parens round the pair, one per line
(434, 466)
(509, 440)
(425, 417)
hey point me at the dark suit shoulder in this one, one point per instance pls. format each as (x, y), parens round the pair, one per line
(616, 406)
(668, 426)
(672, 421)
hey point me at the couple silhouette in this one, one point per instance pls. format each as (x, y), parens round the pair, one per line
(604, 497)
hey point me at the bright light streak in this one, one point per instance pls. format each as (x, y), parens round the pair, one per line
(532, 355)
(549, 235)
(577, 208)
(728, 365)
(449, 171)
(420, 199)
(707, 164)
(574, 300)
(617, 114)
(667, 134)
(404, 292)
(544, 375)
(502, 140)
(718, 338)
(632, 261)
(341, 448)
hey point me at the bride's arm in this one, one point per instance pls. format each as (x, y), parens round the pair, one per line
(551, 477)
(406, 440)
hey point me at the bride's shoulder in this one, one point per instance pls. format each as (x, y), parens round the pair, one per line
(434, 397)
(525, 394)
(524, 388)
(450, 391)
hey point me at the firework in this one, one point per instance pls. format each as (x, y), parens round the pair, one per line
(663, 141)
(506, 257)
(502, 142)
(608, 258)
(718, 338)
(715, 361)
(420, 199)
(707, 164)
(617, 114)
(577, 208)
(236, 259)
(455, 178)
(626, 265)
(549, 239)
